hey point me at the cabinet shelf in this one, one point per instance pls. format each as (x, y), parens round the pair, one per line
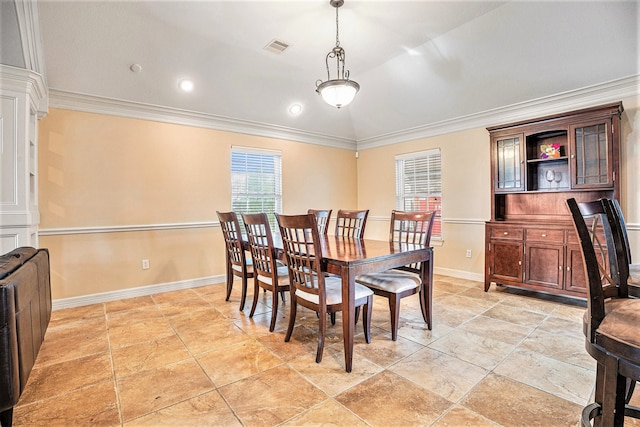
(555, 159)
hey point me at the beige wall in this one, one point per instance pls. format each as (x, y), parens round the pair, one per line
(465, 201)
(99, 171)
(466, 190)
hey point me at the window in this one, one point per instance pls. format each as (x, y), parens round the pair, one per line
(256, 182)
(419, 185)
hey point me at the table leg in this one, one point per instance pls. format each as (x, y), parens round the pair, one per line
(348, 314)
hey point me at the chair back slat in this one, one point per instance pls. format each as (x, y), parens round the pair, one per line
(232, 238)
(301, 243)
(322, 219)
(411, 228)
(600, 258)
(260, 242)
(351, 223)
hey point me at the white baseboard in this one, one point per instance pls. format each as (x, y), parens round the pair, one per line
(59, 304)
(460, 274)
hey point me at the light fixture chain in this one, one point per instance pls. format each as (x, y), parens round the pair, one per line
(337, 28)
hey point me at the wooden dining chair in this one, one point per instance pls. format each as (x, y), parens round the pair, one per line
(351, 223)
(322, 218)
(395, 284)
(267, 273)
(237, 262)
(634, 269)
(309, 286)
(611, 323)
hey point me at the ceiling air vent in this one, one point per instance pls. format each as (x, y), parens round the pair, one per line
(276, 46)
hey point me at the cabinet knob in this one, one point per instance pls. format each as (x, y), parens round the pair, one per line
(519, 262)
(506, 233)
(573, 156)
(544, 235)
(568, 268)
(560, 268)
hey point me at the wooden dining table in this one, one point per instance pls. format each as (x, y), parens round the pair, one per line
(349, 257)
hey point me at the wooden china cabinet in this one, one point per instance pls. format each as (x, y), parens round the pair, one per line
(536, 166)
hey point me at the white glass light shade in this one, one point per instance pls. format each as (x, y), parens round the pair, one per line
(338, 92)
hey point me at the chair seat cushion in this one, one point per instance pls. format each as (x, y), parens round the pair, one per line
(395, 281)
(333, 287)
(283, 277)
(619, 332)
(239, 268)
(634, 274)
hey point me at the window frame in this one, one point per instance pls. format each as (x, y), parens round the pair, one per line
(242, 190)
(432, 197)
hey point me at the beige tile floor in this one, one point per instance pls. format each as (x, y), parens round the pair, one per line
(189, 358)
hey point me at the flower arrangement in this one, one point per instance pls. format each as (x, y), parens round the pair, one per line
(549, 151)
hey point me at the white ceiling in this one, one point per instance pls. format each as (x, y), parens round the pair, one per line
(417, 62)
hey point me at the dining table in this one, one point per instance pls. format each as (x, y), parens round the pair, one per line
(349, 257)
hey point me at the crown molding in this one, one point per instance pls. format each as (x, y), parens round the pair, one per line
(589, 96)
(29, 27)
(136, 110)
(23, 81)
(576, 99)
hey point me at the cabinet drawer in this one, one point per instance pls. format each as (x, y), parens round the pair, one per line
(514, 233)
(542, 235)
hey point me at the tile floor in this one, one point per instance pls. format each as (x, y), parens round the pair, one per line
(189, 358)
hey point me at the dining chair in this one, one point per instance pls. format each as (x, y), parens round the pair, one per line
(351, 223)
(322, 218)
(611, 323)
(237, 262)
(268, 274)
(634, 269)
(309, 286)
(395, 284)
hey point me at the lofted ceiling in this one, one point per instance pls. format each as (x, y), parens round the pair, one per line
(418, 63)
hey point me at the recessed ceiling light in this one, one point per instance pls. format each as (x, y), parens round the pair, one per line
(295, 109)
(136, 68)
(186, 85)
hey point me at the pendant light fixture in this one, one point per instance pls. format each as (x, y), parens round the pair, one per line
(340, 91)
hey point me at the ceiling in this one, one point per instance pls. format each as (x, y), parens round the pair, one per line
(417, 62)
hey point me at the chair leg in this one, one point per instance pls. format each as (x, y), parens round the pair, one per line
(282, 296)
(426, 304)
(229, 282)
(244, 292)
(357, 314)
(333, 318)
(322, 328)
(6, 417)
(366, 318)
(394, 307)
(613, 394)
(292, 317)
(274, 308)
(256, 292)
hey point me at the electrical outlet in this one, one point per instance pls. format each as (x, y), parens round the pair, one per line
(145, 264)
(468, 253)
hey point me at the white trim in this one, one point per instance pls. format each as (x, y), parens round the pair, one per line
(464, 221)
(254, 150)
(423, 153)
(137, 110)
(576, 99)
(460, 274)
(585, 97)
(99, 298)
(29, 27)
(125, 228)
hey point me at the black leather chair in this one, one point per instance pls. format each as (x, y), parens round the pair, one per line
(25, 311)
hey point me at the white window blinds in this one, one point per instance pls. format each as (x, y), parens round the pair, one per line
(419, 185)
(256, 182)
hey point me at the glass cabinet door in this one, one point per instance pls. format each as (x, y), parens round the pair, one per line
(509, 164)
(591, 156)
